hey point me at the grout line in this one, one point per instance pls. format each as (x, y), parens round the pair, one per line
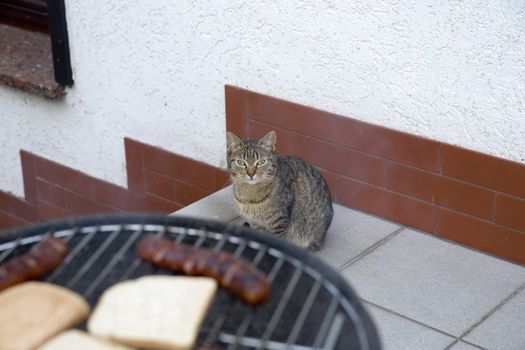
(408, 318)
(509, 195)
(449, 346)
(492, 311)
(455, 211)
(363, 182)
(455, 341)
(372, 248)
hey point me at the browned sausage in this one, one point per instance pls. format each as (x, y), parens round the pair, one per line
(43, 258)
(233, 274)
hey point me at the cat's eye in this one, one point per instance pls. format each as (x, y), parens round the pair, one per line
(261, 162)
(241, 162)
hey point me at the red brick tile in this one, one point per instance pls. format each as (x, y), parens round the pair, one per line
(466, 198)
(292, 116)
(134, 165)
(235, 99)
(202, 175)
(483, 235)
(484, 170)
(8, 221)
(388, 143)
(187, 193)
(181, 168)
(29, 176)
(393, 206)
(438, 189)
(358, 165)
(63, 176)
(314, 151)
(159, 185)
(161, 161)
(124, 200)
(222, 179)
(117, 197)
(51, 212)
(18, 207)
(50, 193)
(331, 180)
(257, 130)
(83, 206)
(510, 212)
(338, 159)
(159, 205)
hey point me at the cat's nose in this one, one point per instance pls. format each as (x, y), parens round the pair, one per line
(250, 172)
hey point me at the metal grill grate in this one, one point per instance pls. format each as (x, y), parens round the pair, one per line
(310, 306)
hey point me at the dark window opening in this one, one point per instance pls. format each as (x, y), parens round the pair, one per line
(45, 16)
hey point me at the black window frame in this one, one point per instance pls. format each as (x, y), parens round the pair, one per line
(56, 12)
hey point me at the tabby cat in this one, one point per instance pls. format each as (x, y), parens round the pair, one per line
(282, 195)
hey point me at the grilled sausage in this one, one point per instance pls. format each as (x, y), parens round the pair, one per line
(235, 275)
(43, 258)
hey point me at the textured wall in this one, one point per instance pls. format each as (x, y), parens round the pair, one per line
(154, 71)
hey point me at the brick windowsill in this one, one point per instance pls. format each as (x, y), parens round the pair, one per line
(26, 62)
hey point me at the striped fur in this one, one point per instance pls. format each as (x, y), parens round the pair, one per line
(282, 195)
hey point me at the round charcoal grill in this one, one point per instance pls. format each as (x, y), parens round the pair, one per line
(310, 305)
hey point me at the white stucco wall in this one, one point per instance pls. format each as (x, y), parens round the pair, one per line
(453, 71)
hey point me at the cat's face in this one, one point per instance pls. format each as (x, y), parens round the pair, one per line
(252, 161)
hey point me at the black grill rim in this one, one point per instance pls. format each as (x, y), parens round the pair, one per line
(296, 252)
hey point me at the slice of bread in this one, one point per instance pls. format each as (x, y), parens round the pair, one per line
(154, 312)
(32, 312)
(78, 340)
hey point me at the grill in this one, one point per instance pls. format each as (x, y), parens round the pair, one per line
(310, 306)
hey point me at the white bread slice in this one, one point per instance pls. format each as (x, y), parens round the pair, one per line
(154, 312)
(32, 312)
(78, 340)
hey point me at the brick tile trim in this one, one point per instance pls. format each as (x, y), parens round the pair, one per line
(158, 181)
(462, 195)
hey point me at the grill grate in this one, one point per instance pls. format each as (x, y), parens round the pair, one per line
(309, 307)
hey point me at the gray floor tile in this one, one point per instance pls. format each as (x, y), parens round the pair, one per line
(217, 206)
(464, 346)
(398, 333)
(434, 282)
(505, 329)
(351, 233)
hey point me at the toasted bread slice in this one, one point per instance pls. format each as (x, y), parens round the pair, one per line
(78, 340)
(32, 312)
(154, 312)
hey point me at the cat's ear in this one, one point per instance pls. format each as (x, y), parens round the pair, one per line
(233, 142)
(268, 141)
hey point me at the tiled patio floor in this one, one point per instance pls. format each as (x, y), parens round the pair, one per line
(422, 292)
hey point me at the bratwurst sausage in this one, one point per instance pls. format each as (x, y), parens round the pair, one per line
(40, 260)
(233, 274)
